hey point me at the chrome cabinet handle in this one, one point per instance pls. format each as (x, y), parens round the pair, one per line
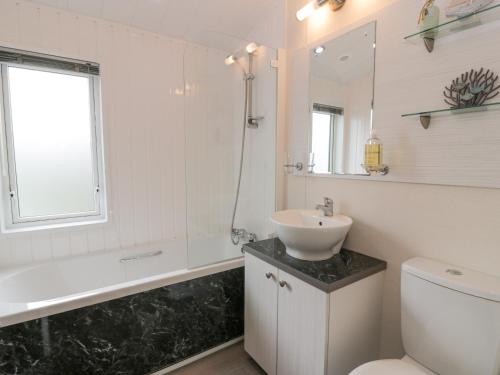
(269, 275)
(283, 283)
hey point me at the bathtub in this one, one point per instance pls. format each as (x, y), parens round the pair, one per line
(129, 312)
(49, 288)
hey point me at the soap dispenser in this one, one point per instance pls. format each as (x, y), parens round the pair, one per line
(374, 156)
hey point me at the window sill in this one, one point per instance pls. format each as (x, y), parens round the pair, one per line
(41, 227)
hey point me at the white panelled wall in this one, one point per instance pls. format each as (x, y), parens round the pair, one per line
(397, 221)
(145, 119)
(143, 124)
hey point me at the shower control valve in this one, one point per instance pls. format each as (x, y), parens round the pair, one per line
(253, 122)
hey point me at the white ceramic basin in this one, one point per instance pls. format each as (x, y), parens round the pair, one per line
(309, 235)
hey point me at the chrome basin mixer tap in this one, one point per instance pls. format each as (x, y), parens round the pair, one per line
(327, 207)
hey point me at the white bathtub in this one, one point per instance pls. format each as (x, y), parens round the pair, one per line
(44, 289)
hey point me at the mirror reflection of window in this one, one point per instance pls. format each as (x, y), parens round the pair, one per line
(325, 123)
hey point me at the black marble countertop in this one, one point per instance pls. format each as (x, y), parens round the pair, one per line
(342, 269)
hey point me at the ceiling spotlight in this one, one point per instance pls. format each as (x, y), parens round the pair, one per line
(308, 9)
(319, 50)
(229, 60)
(252, 47)
(344, 58)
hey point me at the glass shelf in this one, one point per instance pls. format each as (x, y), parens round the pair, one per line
(425, 116)
(479, 17)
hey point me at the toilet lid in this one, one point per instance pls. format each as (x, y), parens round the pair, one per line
(390, 367)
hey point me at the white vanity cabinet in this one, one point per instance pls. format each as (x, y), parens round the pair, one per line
(261, 312)
(295, 328)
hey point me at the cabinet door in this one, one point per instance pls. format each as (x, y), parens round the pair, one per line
(302, 327)
(261, 302)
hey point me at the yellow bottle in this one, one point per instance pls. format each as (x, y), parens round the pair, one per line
(373, 153)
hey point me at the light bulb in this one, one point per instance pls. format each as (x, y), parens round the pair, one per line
(252, 47)
(229, 60)
(307, 10)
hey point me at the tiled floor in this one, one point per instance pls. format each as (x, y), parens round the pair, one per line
(229, 361)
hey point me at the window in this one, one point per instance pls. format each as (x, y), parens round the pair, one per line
(52, 164)
(324, 119)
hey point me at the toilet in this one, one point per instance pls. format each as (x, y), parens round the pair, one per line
(450, 321)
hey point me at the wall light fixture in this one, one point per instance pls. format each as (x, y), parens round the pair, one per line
(251, 47)
(230, 60)
(308, 9)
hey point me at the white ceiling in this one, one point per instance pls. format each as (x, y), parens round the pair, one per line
(357, 44)
(217, 23)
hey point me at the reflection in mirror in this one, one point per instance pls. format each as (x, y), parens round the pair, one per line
(341, 99)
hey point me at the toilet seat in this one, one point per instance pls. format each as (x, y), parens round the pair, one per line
(405, 366)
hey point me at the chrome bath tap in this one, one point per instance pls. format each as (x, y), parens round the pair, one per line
(327, 207)
(238, 234)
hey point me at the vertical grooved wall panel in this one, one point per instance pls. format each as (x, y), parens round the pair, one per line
(143, 130)
(172, 121)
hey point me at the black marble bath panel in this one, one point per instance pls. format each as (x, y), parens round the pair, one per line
(134, 335)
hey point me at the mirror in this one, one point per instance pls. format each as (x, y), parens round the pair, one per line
(342, 73)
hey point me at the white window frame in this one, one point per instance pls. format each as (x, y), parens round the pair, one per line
(11, 218)
(331, 141)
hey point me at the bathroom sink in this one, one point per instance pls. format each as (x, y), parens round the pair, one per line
(309, 235)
